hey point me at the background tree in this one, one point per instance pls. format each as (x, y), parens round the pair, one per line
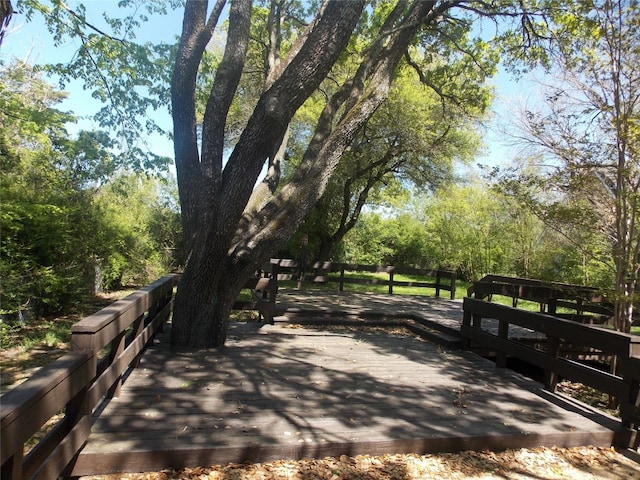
(63, 216)
(6, 11)
(140, 234)
(588, 136)
(388, 240)
(475, 229)
(465, 228)
(414, 139)
(43, 202)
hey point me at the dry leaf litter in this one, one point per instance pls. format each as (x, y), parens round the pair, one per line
(582, 463)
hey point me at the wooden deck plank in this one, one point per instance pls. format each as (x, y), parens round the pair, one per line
(277, 392)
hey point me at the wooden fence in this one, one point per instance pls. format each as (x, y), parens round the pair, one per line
(625, 348)
(264, 289)
(587, 303)
(105, 346)
(320, 272)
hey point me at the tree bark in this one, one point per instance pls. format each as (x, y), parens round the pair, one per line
(227, 239)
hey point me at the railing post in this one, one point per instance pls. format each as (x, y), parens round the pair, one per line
(438, 283)
(391, 283)
(273, 292)
(550, 376)
(117, 347)
(273, 287)
(77, 408)
(138, 328)
(12, 468)
(476, 321)
(634, 404)
(342, 277)
(503, 332)
(164, 300)
(466, 321)
(630, 407)
(453, 286)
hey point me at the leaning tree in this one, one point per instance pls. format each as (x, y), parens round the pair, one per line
(232, 222)
(228, 234)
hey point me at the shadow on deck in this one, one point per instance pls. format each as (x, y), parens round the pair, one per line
(289, 391)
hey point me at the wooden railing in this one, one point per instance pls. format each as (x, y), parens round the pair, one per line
(588, 303)
(320, 272)
(105, 346)
(624, 347)
(264, 290)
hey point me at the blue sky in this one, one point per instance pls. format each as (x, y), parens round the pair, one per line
(32, 42)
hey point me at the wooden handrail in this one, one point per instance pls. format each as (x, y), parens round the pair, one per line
(630, 410)
(61, 385)
(290, 269)
(264, 290)
(550, 295)
(145, 310)
(624, 346)
(77, 382)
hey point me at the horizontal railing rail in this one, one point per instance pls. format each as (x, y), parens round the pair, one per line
(320, 272)
(60, 386)
(623, 347)
(589, 303)
(105, 346)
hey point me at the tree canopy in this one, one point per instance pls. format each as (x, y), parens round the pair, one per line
(415, 138)
(66, 229)
(584, 133)
(240, 77)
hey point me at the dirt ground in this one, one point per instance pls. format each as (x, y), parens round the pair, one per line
(583, 463)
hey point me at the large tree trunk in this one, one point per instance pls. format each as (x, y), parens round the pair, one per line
(226, 237)
(204, 299)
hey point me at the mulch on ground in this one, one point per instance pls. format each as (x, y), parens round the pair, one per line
(581, 463)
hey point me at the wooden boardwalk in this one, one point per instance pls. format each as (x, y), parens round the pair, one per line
(284, 391)
(444, 316)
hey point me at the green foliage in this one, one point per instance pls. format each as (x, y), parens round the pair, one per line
(40, 212)
(141, 220)
(476, 230)
(57, 227)
(461, 228)
(366, 243)
(405, 236)
(130, 79)
(426, 126)
(48, 333)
